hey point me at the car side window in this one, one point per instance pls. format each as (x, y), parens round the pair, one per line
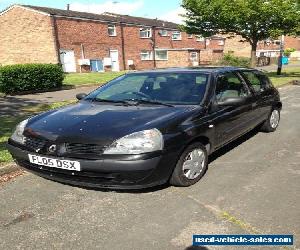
(229, 85)
(258, 81)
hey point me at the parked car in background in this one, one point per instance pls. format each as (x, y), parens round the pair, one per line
(147, 128)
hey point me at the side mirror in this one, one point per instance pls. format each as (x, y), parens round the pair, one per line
(233, 101)
(81, 96)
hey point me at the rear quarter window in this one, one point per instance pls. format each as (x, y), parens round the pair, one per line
(257, 80)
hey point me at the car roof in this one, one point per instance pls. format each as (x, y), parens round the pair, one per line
(211, 69)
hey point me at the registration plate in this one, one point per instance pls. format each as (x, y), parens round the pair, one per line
(54, 163)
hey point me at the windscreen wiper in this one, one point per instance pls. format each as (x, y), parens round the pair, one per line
(143, 101)
(110, 101)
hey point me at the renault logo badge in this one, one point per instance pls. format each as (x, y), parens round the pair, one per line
(52, 149)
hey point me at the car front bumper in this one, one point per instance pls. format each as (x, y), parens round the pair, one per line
(104, 173)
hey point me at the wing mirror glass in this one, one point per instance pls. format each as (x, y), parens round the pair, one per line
(232, 101)
(81, 96)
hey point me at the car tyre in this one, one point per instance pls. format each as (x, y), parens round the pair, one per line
(191, 166)
(271, 124)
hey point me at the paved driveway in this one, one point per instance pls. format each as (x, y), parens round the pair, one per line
(253, 186)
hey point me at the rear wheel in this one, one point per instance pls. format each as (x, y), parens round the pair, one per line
(191, 166)
(271, 124)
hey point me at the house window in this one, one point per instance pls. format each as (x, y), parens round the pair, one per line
(161, 54)
(163, 32)
(221, 42)
(145, 32)
(176, 35)
(207, 41)
(190, 36)
(112, 30)
(146, 55)
(199, 38)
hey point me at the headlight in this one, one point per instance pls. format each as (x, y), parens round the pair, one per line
(137, 143)
(18, 134)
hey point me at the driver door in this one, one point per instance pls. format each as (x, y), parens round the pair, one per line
(231, 121)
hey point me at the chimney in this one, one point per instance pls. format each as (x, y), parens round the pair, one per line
(68, 6)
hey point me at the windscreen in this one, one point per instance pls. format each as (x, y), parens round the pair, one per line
(170, 88)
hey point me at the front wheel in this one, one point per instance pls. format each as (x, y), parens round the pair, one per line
(191, 166)
(271, 124)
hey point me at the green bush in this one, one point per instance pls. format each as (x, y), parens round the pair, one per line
(30, 77)
(287, 52)
(231, 60)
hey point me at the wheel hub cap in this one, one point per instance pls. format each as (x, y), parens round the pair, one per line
(274, 119)
(194, 164)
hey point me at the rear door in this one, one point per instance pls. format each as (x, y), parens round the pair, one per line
(230, 121)
(263, 94)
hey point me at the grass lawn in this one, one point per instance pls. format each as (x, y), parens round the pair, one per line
(288, 75)
(8, 123)
(90, 78)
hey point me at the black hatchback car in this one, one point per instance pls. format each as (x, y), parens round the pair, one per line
(147, 128)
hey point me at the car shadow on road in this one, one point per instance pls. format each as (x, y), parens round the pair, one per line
(224, 150)
(12, 106)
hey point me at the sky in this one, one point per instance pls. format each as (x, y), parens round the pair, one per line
(168, 10)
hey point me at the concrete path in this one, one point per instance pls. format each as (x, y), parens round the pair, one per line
(13, 104)
(252, 186)
(274, 67)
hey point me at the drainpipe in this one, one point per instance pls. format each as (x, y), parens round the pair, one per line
(123, 45)
(154, 45)
(55, 36)
(82, 55)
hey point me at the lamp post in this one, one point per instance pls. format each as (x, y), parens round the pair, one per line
(280, 55)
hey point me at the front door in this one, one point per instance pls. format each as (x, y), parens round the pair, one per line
(67, 59)
(231, 121)
(114, 55)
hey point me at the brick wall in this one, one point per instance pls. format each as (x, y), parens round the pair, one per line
(292, 42)
(26, 37)
(176, 58)
(244, 49)
(233, 44)
(93, 36)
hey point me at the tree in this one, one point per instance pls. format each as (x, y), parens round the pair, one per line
(254, 20)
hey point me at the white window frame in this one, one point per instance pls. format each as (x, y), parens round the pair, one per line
(148, 32)
(176, 33)
(157, 57)
(149, 53)
(221, 42)
(200, 38)
(112, 26)
(189, 36)
(207, 42)
(161, 32)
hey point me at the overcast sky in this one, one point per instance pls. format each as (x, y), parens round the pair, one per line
(162, 9)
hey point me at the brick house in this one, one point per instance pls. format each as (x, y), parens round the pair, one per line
(84, 42)
(270, 48)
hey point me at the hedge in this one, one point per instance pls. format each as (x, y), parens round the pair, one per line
(231, 60)
(30, 77)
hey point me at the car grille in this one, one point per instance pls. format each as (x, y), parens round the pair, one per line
(34, 143)
(78, 148)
